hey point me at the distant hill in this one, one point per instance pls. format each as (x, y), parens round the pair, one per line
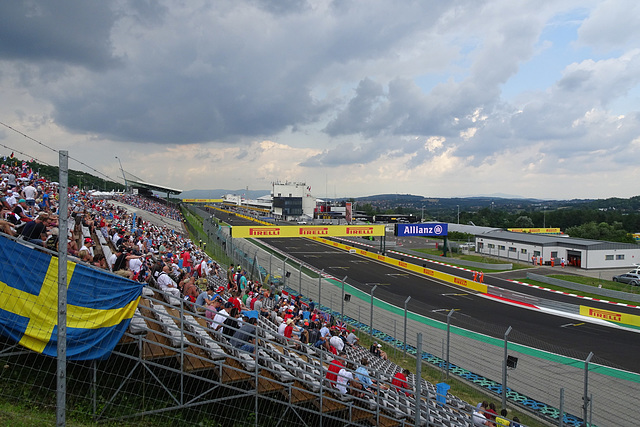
(218, 193)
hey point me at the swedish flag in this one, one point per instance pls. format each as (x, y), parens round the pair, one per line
(100, 305)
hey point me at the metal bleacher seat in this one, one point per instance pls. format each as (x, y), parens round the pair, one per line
(169, 326)
(138, 326)
(203, 338)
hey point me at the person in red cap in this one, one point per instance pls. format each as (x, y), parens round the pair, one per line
(88, 246)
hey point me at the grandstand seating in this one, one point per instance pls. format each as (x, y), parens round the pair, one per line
(297, 374)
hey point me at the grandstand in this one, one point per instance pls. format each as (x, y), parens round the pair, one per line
(166, 334)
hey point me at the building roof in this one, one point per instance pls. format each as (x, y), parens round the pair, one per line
(555, 240)
(153, 187)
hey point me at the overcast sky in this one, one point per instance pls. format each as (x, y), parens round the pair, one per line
(429, 97)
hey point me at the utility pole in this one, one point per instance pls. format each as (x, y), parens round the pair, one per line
(126, 185)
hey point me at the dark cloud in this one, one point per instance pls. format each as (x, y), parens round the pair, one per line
(344, 154)
(70, 31)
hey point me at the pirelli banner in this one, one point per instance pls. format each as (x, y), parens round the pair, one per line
(458, 281)
(535, 230)
(201, 200)
(256, 231)
(611, 316)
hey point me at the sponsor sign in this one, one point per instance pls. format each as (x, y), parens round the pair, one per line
(425, 229)
(535, 230)
(256, 231)
(201, 200)
(611, 316)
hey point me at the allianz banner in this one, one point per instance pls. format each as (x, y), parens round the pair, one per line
(425, 229)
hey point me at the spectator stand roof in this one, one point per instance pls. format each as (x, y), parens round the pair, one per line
(135, 182)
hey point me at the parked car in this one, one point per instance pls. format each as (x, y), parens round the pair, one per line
(628, 278)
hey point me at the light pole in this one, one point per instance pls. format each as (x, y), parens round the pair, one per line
(126, 185)
(458, 213)
(422, 214)
(544, 217)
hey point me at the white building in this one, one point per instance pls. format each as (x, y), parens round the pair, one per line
(292, 201)
(581, 253)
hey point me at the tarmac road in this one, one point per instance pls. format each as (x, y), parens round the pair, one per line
(497, 279)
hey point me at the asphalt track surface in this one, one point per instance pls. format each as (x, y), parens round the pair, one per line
(434, 299)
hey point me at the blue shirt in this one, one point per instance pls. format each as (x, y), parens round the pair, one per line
(363, 376)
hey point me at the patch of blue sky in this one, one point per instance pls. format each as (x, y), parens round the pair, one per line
(556, 48)
(626, 104)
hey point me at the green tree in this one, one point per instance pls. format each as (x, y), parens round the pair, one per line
(523, 221)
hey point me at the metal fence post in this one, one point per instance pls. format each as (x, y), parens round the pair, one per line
(300, 284)
(405, 325)
(395, 336)
(561, 409)
(61, 369)
(342, 309)
(585, 398)
(504, 369)
(418, 399)
(371, 314)
(284, 272)
(320, 288)
(449, 340)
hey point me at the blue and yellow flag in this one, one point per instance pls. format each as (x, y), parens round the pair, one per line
(100, 305)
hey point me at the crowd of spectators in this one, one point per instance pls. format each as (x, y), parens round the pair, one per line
(159, 207)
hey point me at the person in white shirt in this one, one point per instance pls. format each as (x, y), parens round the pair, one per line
(220, 317)
(88, 246)
(29, 192)
(344, 377)
(11, 199)
(135, 265)
(337, 343)
(281, 328)
(166, 283)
